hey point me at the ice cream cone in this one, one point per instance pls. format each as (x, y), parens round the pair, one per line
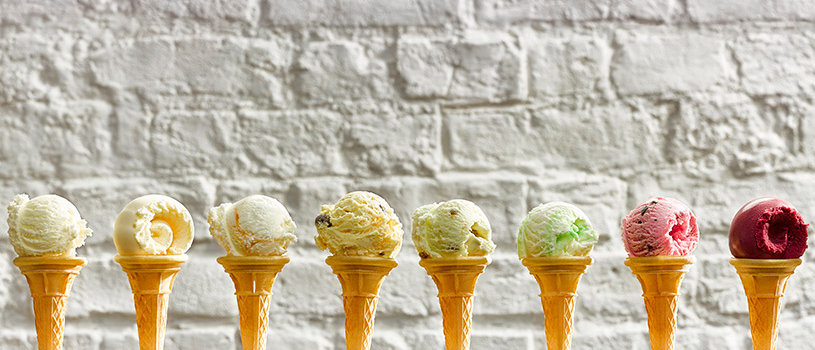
(151, 280)
(660, 277)
(764, 281)
(360, 277)
(455, 278)
(558, 278)
(253, 277)
(50, 280)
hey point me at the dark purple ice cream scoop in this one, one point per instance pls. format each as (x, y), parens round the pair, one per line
(768, 228)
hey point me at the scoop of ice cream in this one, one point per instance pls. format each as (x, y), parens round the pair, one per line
(256, 225)
(153, 225)
(768, 228)
(453, 228)
(47, 225)
(556, 229)
(660, 227)
(360, 224)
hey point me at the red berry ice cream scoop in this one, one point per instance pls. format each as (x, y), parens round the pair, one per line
(768, 228)
(660, 227)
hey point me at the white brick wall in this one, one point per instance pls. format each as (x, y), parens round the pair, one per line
(506, 103)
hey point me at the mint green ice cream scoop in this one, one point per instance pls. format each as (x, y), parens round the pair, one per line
(555, 229)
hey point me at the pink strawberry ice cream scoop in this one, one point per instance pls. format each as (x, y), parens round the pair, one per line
(659, 227)
(768, 228)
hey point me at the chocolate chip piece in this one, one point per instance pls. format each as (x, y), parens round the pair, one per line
(323, 219)
(423, 255)
(453, 212)
(383, 208)
(644, 210)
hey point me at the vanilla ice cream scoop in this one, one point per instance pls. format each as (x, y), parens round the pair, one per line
(360, 224)
(153, 225)
(256, 225)
(47, 225)
(454, 228)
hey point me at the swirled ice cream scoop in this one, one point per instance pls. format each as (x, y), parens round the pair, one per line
(660, 227)
(153, 225)
(360, 224)
(47, 225)
(256, 225)
(453, 228)
(556, 229)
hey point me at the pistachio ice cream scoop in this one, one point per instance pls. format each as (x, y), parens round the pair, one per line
(454, 228)
(255, 226)
(47, 225)
(153, 225)
(359, 224)
(556, 229)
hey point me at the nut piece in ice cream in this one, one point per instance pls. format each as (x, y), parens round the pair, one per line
(556, 229)
(256, 225)
(360, 224)
(453, 228)
(153, 225)
(47, 225)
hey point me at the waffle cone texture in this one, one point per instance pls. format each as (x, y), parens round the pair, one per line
(558, 278)
(253, 277)
(660, 277)
(151, 281)
(49, 280)
(764, 281)
(455, 278)
(360, 277)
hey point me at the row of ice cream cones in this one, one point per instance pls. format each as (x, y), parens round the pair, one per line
(151, 280)
(452, 238)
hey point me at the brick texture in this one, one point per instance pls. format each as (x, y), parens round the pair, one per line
(505, 103)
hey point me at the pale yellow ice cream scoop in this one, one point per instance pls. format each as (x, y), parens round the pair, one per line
(360, 224)
(153, 225)
(47, 225)
(255, 226)
(454, 228)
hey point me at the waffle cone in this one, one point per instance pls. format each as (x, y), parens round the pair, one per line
(360, 277)
(660, 277)
(764, 281)
(50, 280)
(455, 278)
(151, 281)
(558, 278)
(253, 277)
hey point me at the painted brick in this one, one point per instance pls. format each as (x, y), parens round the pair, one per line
(202, 288)
(190, 143)
(554, 139)
(476, 67)
(361, 13)
(516, 12)
(774, 64)
(289, 144)
(572, 66)
(242, 10)
(339, 71)
(387, 141)
(659, 64)
(215, 338)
